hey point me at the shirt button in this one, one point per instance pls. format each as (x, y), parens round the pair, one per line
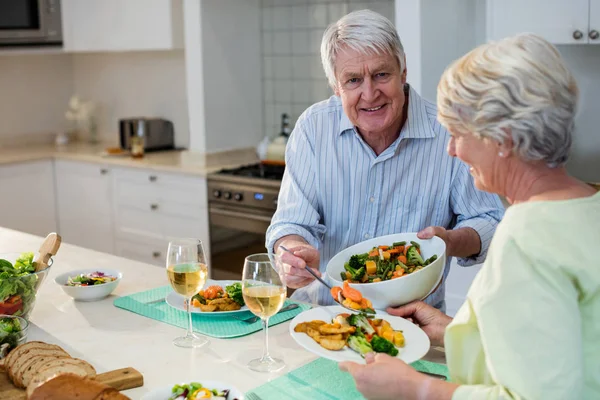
(367, 236)
(372, 199)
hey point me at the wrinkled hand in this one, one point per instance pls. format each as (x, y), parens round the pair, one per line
(385, 377)
(430, 319)
(440, 232)
(295, 264)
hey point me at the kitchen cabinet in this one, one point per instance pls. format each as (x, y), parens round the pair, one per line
(28, 202)
(117, 25)
(151, 208)
(558, 21)
(84, 200)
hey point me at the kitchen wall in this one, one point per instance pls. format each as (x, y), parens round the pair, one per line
(133, 84)
(293, 77)
(35, 90)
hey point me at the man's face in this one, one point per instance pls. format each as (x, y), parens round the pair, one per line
(371, 90)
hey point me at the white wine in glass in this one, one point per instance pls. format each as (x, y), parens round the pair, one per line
(264, 293)
(187, 272)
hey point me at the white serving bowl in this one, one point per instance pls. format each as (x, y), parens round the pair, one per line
(399, 291)
(88, 293)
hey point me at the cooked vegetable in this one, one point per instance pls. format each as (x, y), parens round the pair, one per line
(195, 391)
(381, 345)
(361, 321)
(413, 257)
(234, 291)
(360, 344)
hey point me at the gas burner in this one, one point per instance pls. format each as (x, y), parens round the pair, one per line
(258, 170)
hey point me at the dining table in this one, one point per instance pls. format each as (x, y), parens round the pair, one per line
(112, 338)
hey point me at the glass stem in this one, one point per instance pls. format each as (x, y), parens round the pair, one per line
(266, 355)
(190, 331)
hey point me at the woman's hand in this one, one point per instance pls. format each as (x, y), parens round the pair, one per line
(430, 319)
(304, 255)
(385, 377)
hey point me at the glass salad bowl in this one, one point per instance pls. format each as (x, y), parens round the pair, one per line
(19, 283)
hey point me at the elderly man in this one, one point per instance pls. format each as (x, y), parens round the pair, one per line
(371, 161)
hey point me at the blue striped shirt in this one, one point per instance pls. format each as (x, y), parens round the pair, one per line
(337, 192)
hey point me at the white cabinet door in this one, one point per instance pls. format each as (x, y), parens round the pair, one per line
(28, 200)
(84, 197)
(117, 25)
(558, 21)
(594, 28)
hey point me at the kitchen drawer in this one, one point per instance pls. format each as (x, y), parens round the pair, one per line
(83, 188)
(132, 220)
(149, 251)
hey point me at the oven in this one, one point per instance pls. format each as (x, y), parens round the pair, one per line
(241, 203)
(30, 22)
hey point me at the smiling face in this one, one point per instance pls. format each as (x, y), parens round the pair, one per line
(371, 89)
(482, 156)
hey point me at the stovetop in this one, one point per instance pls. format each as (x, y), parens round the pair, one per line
(258, 170)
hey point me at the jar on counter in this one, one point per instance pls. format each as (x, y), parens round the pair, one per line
(137, 142)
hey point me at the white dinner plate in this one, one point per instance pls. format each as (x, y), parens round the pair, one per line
(416, 341)
(177, 301)
(163, 392)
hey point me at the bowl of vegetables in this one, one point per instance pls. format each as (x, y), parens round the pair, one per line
(391, 270)
(89, 284)
(13, 332)
(19, 283)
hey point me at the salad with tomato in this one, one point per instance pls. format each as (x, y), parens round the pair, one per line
(195, 391)
(92, 279)
(17, 285)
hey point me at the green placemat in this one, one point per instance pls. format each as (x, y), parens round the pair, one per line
(322, 380)
(219, 326)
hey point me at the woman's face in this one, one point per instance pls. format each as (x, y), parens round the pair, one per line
(482, 156)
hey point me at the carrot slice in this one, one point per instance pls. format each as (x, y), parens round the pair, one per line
(402, 259)
(351, 293)
(335, 292)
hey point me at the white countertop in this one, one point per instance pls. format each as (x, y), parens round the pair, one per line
(186, 162)
(111, 338)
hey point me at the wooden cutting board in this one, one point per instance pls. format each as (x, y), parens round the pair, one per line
(120, 379)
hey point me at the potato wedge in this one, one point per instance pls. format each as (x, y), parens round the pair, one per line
(330, 329)
(313, 333)
(332, 344)
(315, 324)
(301, 327)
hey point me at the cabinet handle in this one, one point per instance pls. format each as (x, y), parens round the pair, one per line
(103, 171)
(152, 178)
(156, 254)
(577, 35)
(154, 207)
(594, 34)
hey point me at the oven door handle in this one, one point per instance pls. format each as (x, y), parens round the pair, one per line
(239, 214)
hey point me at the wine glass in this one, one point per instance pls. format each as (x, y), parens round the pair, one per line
(264, 293)
(187, 272)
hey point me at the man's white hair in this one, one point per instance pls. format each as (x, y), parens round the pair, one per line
(364, 31)
(519, 85)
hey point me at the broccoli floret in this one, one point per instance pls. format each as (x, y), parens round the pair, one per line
(355, 274)
(361, 321)
(413, 257)
(381, 345)
(234, 291)
(357, 261)
(359, 344)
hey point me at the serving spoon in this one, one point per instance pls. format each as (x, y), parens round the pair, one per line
(340, 298)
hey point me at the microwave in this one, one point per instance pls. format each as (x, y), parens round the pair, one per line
(30, 22)
(158, 133)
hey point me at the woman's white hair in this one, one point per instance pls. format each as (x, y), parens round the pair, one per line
(518, 85)
(364, 31)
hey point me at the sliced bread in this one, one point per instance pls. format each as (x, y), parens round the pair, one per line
(65, 386)
(28, 371)
(22, 348)
(26, 356)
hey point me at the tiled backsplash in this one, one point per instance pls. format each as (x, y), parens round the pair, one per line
(293, 77)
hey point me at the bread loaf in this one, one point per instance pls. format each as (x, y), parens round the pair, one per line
(24, 357)
(29, 369)
(68, 386)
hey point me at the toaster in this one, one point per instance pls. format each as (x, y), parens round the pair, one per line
(158, 133)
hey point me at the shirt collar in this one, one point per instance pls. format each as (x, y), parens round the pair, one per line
(417, 124)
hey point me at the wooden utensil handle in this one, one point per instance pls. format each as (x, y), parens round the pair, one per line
(48, 248)
(122, 379)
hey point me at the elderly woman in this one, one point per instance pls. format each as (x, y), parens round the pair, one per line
(530, 327)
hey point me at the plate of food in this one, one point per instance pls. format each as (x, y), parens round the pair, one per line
(217, 298)
(331, 332)
(196, 390)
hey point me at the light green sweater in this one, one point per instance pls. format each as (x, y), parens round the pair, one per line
(530, 327)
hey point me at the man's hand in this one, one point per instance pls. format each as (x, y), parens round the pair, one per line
(431, 320)
(304, 256)
(461, 242)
